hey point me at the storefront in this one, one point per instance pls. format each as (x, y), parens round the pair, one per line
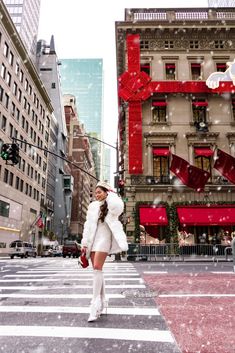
(214, 222)
(154, 220)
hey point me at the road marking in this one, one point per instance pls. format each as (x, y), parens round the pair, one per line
(80, 272)
(155, 272)
(88, 332)
(223, 272)
(57, 296)
(58, 279)
(194, 295)
(149, 311)
(69, 275)
(29, 287)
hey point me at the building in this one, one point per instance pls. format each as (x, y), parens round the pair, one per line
(221, 3)
(25, 113)
(47, 64)
(25, 16)
(83, 78)
(83, 171)
(167, 110)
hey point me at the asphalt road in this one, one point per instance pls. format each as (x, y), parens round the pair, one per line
(160, 307)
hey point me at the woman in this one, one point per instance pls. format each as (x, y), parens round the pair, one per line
(102, 235)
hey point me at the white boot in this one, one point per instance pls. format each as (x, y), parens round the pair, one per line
(104, 301)
(96, 303)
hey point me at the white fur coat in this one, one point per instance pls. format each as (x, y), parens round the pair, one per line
(115, 208)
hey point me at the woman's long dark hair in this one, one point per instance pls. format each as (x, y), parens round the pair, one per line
(103, 208)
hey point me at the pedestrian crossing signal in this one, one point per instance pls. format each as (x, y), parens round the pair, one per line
(10, 152)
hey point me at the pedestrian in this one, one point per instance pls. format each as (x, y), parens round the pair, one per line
(102, 235)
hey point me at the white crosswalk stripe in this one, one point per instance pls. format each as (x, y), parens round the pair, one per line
(54, 297)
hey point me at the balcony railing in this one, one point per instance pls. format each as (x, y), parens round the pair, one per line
(179, 15)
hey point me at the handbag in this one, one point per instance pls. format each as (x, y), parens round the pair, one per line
(82, 260)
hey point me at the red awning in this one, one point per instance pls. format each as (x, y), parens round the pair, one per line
(161, 151)
(159, 103)
(170, 66)
(202, 215)
(203, 151)
(221, 66)
(153, 216)
(200, 104)
(196, 65)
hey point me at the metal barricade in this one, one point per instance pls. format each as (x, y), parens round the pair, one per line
(168, 252)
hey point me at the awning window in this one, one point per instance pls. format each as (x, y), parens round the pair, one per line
(153, 216)
(157, 103)
(161, 151)
(170, 66)
(200, 104)
(203, 151)
(202, 215)
(196, 65)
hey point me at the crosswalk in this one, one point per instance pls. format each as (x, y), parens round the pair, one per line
(44, 303)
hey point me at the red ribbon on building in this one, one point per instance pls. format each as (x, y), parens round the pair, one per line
(225, 164)
(190, 175)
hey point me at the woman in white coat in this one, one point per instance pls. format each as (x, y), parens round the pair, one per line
(102, 235)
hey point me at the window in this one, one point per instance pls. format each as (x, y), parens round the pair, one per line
(21, 76)
(145, 67)
(3, 71)
(219, 44)
(5, 178)
(233, 109)
(144, 44)
(6, 50)
(169, 44)
(11, 58)
(11, 179)
(200, 114)
(170, 71)
(6, 100)
(3, 123)
(1, 93)
(17, 183)
(8, 80)
(19, 95)
(203, 161)
(17, 69)
(196, 71)
(53, 85)
(15, 88)
(159, 111)
(194, 44)
(161, 164)
(4, 209)
(221, 67)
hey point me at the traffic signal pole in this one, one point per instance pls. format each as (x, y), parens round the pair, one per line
(56, 155)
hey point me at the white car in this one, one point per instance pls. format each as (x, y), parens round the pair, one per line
(22, 249)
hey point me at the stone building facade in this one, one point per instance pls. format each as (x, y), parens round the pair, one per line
(169, 110)
(25, 113)
(80, 153)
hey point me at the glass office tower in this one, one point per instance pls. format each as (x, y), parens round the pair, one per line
(83, 78)
(25, 15)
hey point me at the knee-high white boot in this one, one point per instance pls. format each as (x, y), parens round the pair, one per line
(96, 304)
(104, 301)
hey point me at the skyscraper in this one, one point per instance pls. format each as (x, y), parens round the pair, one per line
(83, 78)
(221, 3)
(25, 15)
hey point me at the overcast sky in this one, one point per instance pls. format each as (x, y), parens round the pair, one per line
(86, 29)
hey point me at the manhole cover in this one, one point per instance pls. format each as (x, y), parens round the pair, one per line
(145, 293)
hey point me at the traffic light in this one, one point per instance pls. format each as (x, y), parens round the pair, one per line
(121, 185)
(10, 152)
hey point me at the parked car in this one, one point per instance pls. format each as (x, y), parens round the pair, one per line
(71, 248)
(22, 249)
(57, 251)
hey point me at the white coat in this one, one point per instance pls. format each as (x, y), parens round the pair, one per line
(115, 208)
